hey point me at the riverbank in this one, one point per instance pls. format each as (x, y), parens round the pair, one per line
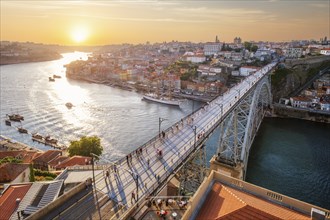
(28, 59)
(284, 111)
(7, 144)
(139, 88)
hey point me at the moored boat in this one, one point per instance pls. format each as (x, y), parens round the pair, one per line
(50, 140)
(22, 130)
(162, 100)
(8, 122)
(15, 117)
(37, 136)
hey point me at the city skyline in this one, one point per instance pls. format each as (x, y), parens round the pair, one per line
(113, 22)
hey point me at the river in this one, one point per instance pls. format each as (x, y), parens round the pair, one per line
(123, 122)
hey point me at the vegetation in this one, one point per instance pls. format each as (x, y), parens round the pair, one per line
(40, 175)
(176, 67)
(10, 160)
(85, 146)
(251, 47)
(32, 177)
(279, 76)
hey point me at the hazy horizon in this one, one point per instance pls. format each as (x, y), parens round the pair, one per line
(97, 23)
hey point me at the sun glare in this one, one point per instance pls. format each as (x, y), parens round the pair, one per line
(79, 34)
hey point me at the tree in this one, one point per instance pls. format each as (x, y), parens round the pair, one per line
(32, 178)
(85, 146)
(248, 45)
(254, 48)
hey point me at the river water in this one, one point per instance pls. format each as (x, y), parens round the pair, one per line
(123, 122)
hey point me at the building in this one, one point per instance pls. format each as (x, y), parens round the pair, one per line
(247, 70)
(211, 49)
(14, 172)
(223, 197)
(300, 102)
(294, 52)
(18, 201)
(41, 162)
(325, 51)
(237, 40)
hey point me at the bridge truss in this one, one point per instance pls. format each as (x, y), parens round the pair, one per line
(240, 125)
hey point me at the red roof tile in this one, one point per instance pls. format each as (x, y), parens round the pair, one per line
(75, 160)
(47, 156)
(9, 171)
(224, 203)
(8, 202)
(25, 156)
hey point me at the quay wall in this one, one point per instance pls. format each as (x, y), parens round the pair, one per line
(305, 114)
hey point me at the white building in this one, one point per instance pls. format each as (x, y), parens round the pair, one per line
(247, 70)
(300, 102)
(325, 51)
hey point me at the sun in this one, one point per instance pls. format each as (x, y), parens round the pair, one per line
(79, 34)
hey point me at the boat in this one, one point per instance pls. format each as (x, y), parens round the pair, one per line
(15, 117)
(50, 140)
(22, 130)
(37, 136)
(162, 100)
(51, 79)
(69, 105)
(8, 122)
(56, 76)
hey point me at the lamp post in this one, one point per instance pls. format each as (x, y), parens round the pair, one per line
(221, 107)
(160, 122)
(239, 91)
(195, 129)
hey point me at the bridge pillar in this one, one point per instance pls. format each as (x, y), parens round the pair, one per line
(236, 172)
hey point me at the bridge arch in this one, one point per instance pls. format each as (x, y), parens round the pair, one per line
(239, 127)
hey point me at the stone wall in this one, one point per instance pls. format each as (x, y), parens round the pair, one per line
(290, 112)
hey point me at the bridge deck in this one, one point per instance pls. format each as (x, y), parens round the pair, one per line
(176, 147)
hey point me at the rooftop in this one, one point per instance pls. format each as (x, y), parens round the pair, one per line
(8, 200)
(225, 197)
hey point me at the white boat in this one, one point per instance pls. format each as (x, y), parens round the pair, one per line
(161, 100)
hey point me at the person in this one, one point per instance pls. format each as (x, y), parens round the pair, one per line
(107, 174)
(133, 196)
(148, 162)
(163, 133)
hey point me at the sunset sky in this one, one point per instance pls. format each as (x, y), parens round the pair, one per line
(89, 22)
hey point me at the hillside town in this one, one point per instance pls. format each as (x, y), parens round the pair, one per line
(188, 70)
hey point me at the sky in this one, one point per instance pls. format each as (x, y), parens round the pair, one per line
(92, 22)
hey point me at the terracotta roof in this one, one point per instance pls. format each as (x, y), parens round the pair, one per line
(25, 156)
(75, 160)
(58, 160)
(8, 202)
(224, 202)
(48, 156)
(9, 171)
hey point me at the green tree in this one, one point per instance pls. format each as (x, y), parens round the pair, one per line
(32, 178)
(85, 146)
(254, 48)
(248, 45)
